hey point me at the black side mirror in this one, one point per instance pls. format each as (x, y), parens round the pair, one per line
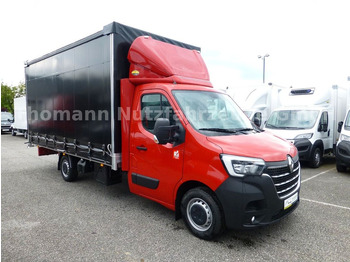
(340, 125)
(322, 128)
(257, 121)
(163, 132)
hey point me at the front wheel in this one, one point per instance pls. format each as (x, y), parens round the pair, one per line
(68, 167)
(202, 214)
(341, 168)
(316, 158)
(13, 132)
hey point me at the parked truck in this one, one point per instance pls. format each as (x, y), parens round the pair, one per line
(127, 102)
(343, 145)
(20, 117)
(257, 102)
(308, 118)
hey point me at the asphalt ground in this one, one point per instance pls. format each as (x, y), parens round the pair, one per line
(44, 218)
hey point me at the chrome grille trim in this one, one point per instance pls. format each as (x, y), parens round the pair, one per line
(282, 181)
(285, 174)
(286, 182)
(282, 191)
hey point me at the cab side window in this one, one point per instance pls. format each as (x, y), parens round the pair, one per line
(323, 126)
(154, 106)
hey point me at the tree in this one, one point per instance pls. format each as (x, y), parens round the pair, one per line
(19, 90)
(8, 93)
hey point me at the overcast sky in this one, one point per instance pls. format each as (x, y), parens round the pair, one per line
(308, 41)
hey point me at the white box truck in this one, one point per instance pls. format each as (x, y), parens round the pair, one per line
(20, 117)
(258, 101)
(343, 145)
(309, 119)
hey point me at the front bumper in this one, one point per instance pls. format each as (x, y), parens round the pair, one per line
(5, 128)
(343, 153)
(304, 147)
(253, 201)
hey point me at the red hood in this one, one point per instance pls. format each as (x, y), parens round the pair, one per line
(260, 145)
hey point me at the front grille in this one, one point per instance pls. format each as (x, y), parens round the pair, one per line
(285, 182)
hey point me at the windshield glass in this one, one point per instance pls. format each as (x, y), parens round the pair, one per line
(347, 121)
(212, 112)
(6, 116)
(248, 113)
(292, 119)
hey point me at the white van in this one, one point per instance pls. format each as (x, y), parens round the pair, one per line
(309, 119)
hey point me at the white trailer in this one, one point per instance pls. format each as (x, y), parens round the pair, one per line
(343, 144)
(20, 115)
(309, 119)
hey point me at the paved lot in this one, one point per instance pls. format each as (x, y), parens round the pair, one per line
(47, 219)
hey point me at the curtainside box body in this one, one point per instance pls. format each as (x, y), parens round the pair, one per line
(73, 94)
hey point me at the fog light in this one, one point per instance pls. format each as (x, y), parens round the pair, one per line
(253, 219)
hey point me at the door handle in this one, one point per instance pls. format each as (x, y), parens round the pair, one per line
(142, 148)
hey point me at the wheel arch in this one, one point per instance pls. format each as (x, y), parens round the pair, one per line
(318, 144)
(70, 159)
(188, 185)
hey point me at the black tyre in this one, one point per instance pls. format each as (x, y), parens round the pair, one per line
(13, 132)
(201, 213)
(316, 158)
(68, 167)
(25, 134)
(341, 168)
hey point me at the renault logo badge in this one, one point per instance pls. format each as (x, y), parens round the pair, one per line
(290, 163)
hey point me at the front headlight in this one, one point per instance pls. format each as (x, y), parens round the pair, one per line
(240, 166)
(308, 136)
(344, 138)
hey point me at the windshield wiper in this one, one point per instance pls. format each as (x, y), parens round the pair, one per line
(271, 126)
(292, 127)
(245, 129)
(284, 127)
(221, 130)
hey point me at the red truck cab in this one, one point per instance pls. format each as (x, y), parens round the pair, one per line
(189, 147)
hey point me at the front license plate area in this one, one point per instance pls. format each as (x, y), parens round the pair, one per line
(290, 201)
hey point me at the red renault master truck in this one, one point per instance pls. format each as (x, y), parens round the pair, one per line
(125, 101)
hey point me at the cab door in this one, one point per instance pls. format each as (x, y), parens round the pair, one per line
(154, 169)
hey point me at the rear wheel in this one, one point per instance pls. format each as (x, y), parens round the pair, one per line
(202, 214)
(68, 167)
(25, 134)
(316, 158)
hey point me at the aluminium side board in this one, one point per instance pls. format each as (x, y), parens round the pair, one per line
(73, 94)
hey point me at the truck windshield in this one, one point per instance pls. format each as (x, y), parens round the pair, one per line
(6, 116)
(248, 113)
(212, 113)
(292, 119)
